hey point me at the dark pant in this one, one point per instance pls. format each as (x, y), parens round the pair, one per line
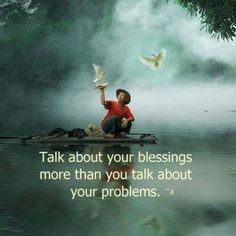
(113, 125)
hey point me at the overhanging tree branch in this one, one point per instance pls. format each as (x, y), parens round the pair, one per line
(8, 7)
(218, 17)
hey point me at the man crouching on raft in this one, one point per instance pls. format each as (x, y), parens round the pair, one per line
(119, 117)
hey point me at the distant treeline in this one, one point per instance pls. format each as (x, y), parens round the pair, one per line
(41, 49)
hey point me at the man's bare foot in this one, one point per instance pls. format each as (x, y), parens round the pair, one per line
(109, 135)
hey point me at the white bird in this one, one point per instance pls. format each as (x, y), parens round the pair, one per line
(155, 61)
(99, 76)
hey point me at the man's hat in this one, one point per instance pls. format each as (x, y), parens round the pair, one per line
(128, 97)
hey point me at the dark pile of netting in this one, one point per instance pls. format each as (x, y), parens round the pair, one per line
(76, 132)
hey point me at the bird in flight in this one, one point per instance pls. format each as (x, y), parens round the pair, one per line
(155, 61)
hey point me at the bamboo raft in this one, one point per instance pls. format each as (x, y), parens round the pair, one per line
(128, 139)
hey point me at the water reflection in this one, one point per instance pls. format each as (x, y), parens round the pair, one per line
(118, 171)
(205, 206)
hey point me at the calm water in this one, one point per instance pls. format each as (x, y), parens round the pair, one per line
(203, 206)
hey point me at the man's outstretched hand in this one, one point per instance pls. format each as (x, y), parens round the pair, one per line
(101, 86)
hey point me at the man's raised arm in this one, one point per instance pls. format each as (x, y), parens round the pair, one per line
(102, 95)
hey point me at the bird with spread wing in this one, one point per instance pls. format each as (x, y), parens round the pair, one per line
(99, 76)
(155, 61)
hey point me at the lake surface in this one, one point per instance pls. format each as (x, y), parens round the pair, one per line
(203, 206)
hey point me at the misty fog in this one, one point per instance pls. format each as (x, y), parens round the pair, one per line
(189, 89)
(194, 87)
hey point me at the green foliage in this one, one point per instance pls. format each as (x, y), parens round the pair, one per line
(218, 17)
